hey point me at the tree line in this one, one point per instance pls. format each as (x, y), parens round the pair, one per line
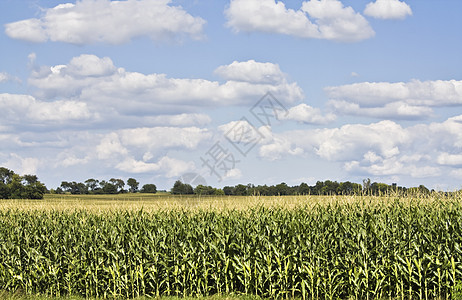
(97, 187)
(327, 187)
(14, 186)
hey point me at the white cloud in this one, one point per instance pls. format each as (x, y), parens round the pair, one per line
(346, 142)
(233, 174)
(22, 165)
(332, 20)
(307, 114)
(388, 9)
(401, 100)
(450, 159)
(181, 120)
(26, 109)
(171, 167)
(251, 71)
(110, 146)
(90, 66)
(337, 22)
(163, 137)
(379, 149)
(114, 22)
(396, 110)
(71, 160)
(244, 132)
(108, 88)
(123, 149)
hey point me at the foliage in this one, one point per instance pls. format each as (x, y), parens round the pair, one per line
(180, 188)
(13, 186)
(207, 190)
(149, 188)
(360, 251)
(133, 184)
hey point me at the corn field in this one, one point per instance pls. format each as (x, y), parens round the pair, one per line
(347, 251)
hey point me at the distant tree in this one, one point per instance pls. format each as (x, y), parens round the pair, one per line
(180, 188)
(205, 190)
(366, 185)
(14, 186)
(349, 188)
(228, 190)
(92, 185)
(33, 189)
(149, 188)
(219, 192)
(75, 188)
(303, 189)
(378, 188)
(108, 187)
(240, 190)
(133, 184)
(423, 189)
(119, 183)
(282, 189)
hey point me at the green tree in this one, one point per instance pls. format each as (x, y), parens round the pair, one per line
(6, 176)
(240, 190)
(119, 183)
(303, 189)
(75, 188)
(149, 188)
(366, 185)
(92, 185)
(14, 186)
(33, 189)
(133, 184)
(108, 187)
(228, 190)
(282, 189)
(180, 188)
(204, 190)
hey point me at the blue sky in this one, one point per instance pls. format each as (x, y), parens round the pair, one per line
(155, 89)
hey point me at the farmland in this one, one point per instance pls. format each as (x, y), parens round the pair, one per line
(131, 245)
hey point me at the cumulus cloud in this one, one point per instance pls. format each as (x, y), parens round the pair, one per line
(233, 174)
(22, 165)
(251, 71)
(380, 149)
(322, 19)
(171, 167)
(147, 143)
(26, 109)
(400, 100)
(163, 137)
(388, 9)
(97, 82)
(244, 132)
(181, 120)
(104, 21)
(306, 114)
(450, 159)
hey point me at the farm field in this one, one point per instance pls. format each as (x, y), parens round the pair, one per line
(323, 247)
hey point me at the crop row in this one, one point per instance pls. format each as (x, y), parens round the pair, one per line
(327, 252)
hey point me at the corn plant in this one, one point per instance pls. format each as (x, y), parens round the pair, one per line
(335, 251)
